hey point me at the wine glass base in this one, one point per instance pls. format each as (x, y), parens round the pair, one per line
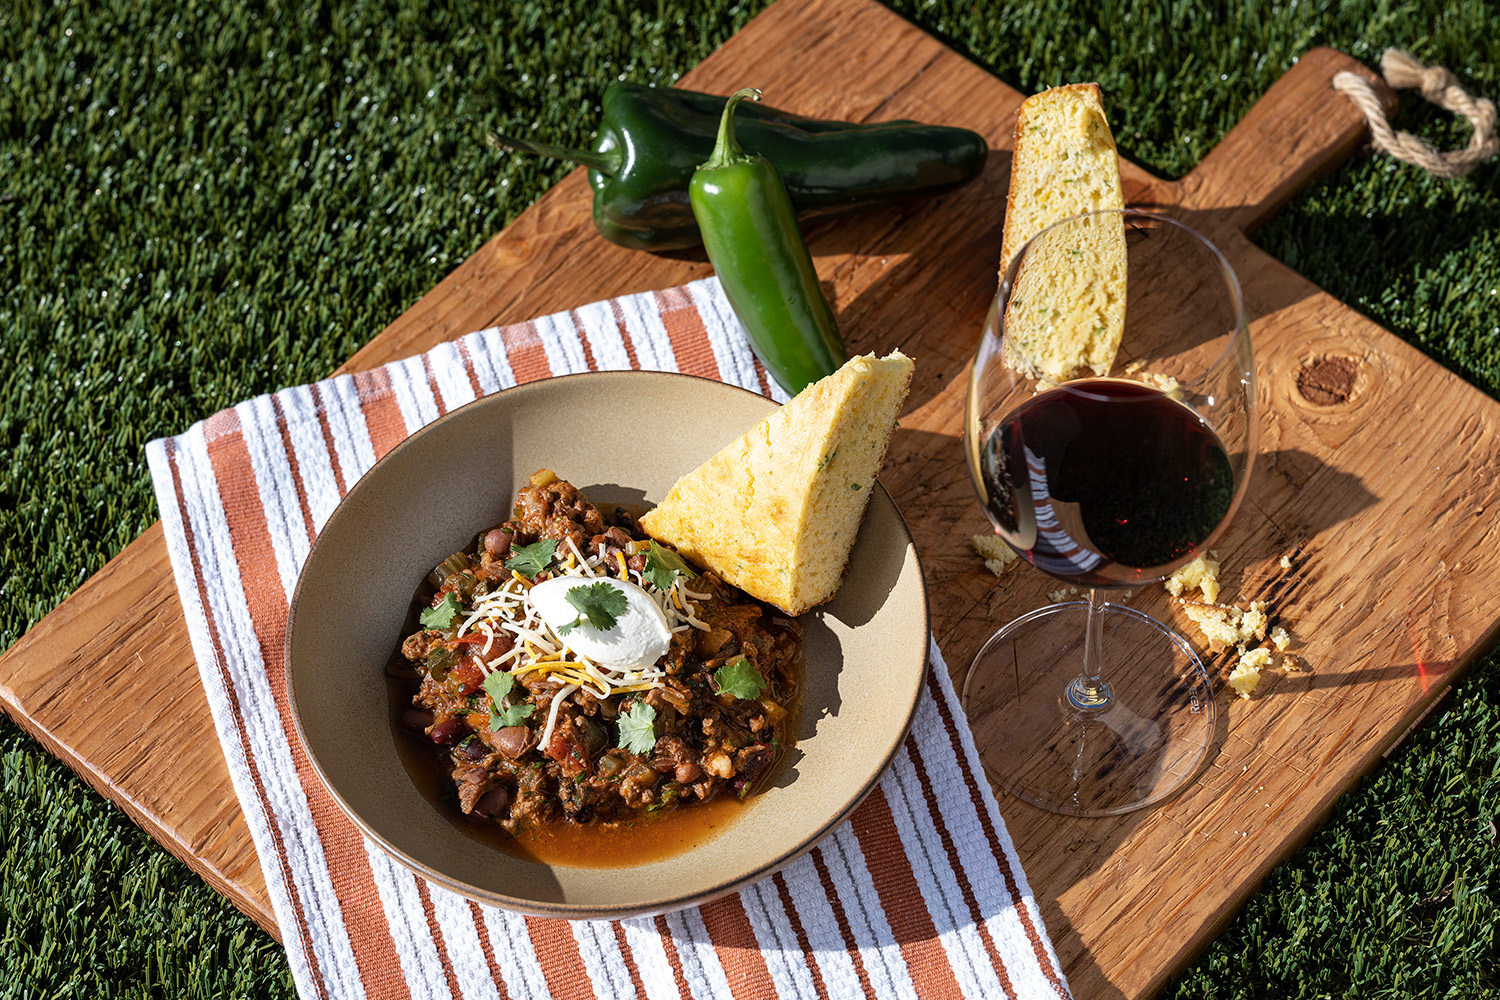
(1138, 749)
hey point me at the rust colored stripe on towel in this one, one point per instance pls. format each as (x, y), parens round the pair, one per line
(1033, 935)
(436, 933)
(803, 942)
(283, 864)
(432, 385)
(842, 918)
(291, 455)
(557, 953)
(901, 898)
(342, 846)
(685, 330)
(469, 369)
(483, 934)
(738, 950)
(628, 957)
(624, 331)
(583, 341)
(523, 346)
(377, 402)
(669, 946)
(321, 406)
(964, 885)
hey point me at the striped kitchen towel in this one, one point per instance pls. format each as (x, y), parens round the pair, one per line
(919, 893)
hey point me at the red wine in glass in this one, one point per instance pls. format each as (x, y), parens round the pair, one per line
(1105, 482)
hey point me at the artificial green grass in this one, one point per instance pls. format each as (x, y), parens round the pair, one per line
(201, 201)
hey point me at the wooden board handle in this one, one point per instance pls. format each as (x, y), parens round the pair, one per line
(1298, 131)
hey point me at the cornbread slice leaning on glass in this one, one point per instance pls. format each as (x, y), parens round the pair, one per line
(776, 512)
(1068, 308)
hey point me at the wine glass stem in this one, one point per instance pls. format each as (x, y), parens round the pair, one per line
(1089, 691)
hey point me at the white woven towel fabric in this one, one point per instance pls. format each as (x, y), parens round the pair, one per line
(918, 894)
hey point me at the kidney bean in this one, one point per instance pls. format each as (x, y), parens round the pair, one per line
(687, 773)
(497, 542)
(448, 731)
(513, 741)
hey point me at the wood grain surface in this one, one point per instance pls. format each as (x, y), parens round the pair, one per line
(1378, 478)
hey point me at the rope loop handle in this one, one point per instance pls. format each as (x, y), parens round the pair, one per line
(1438, 86)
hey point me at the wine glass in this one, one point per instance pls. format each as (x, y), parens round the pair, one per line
(1106, 476)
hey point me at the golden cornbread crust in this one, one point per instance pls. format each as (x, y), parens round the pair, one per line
(776, 511)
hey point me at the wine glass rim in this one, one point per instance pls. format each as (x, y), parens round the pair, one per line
(1241, 327)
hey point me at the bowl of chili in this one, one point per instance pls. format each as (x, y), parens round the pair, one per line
(621, 438)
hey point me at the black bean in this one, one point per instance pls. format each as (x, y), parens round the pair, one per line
(493, 802)
(416, 719)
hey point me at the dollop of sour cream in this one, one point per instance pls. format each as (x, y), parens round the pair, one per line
(640, 637)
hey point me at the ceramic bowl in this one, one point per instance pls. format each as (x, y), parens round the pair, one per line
(621, 437)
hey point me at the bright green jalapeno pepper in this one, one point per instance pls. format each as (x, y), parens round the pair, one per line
(750, 231)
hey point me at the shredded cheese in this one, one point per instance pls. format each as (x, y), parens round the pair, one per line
(537, 649)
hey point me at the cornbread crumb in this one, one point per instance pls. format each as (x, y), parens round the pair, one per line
(1165, 384)
(1202, 574)
(1245, 677)
(998, 557)
(1286, 562)
(1254, 621)
(1226, 626)
(1062, 594)
(1281, 639)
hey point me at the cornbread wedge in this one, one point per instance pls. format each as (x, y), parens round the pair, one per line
(776, 512)
(1067, 310)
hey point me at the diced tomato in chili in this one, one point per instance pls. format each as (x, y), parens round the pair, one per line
(564, 748)
(466, 677)
(472, 639)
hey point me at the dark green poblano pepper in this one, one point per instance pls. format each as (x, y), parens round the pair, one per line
(651, 139)
(750, 231)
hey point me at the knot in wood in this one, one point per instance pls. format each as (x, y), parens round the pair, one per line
(1328, 380)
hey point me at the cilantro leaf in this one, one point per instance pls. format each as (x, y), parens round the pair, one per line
(512, 716)
(498, 686)
(739, 679)
(638, 728)
(529, 560)
(600, 604)
(663, 565)
(443, 614)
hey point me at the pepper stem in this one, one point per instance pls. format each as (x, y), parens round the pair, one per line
(727, 149)
(602, 162)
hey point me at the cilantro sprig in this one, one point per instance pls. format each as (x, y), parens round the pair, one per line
(600, 604)
(442, 614)
(663, 565)
(529, 560)
(638, 728)
(739, 679)
(498, 686)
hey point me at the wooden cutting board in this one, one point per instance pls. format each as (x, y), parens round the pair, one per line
(1378, 479)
